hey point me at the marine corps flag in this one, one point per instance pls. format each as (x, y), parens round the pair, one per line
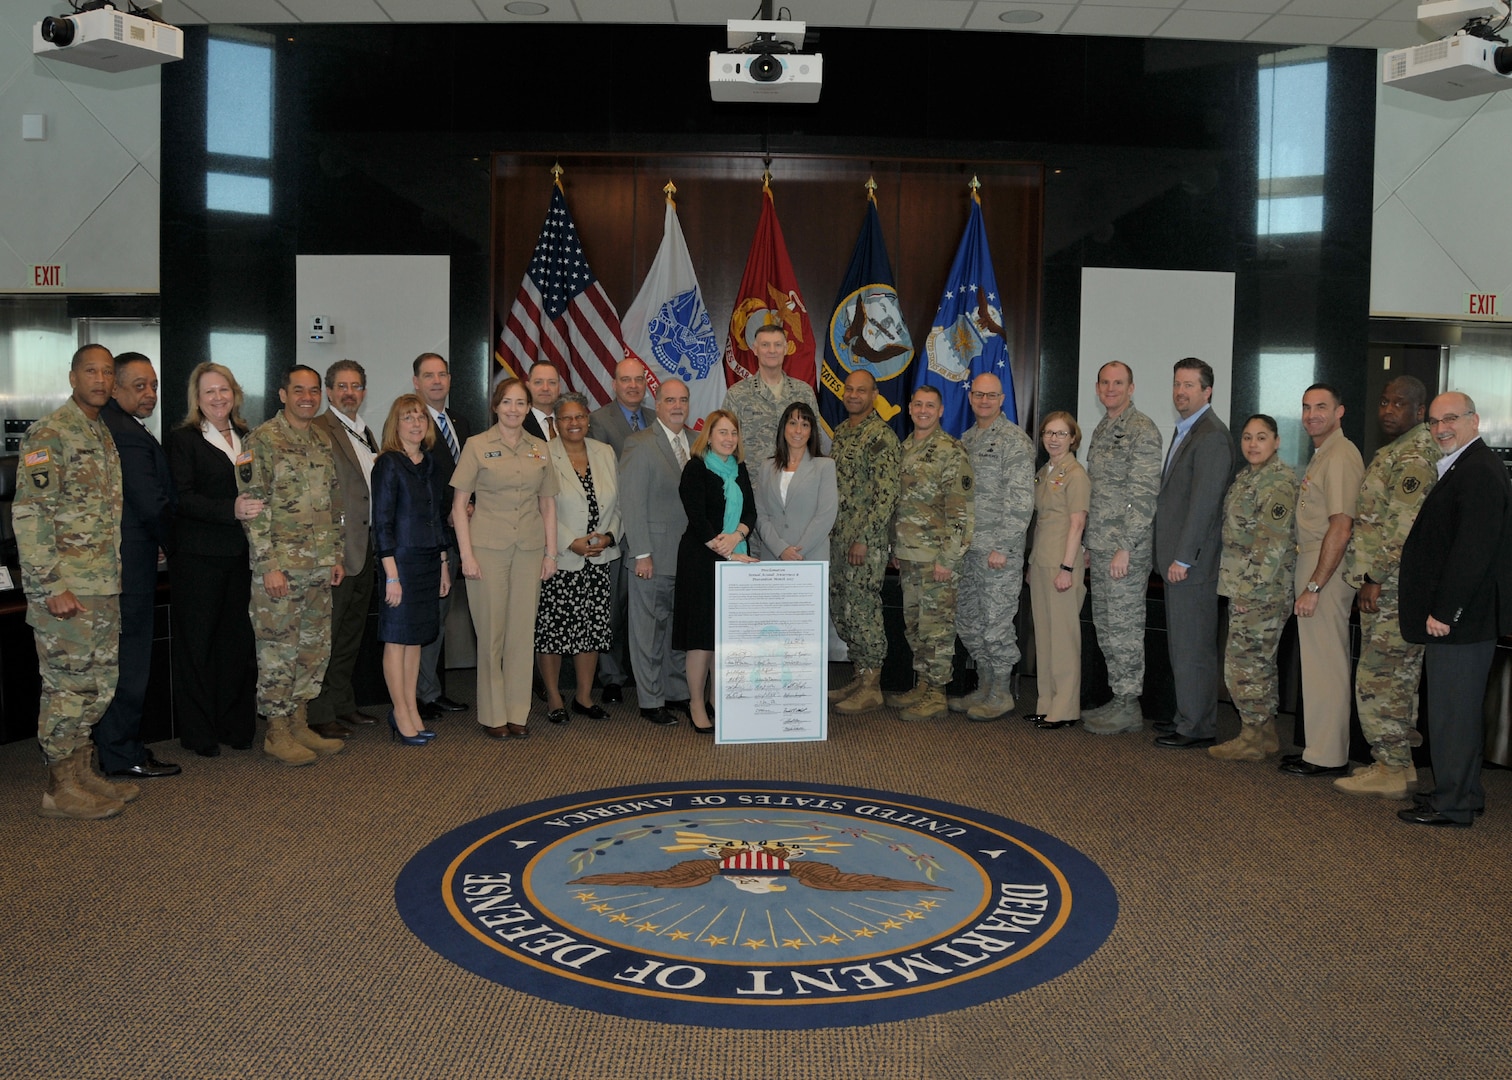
(867, 331)
(967, 338)
(768, 296)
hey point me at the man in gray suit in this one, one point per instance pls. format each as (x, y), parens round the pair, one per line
(1188, 542)
(649, 472)
(613, 424)
(353, 446)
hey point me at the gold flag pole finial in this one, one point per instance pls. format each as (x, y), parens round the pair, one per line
(670, 191)
(871, 188)
(766, 180)
(975, 187)
(556, 173)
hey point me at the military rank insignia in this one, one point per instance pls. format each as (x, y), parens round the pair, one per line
(244, 466)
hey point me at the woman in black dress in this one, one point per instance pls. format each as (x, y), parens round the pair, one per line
(721, 508)
(409, 537)
(214, 663)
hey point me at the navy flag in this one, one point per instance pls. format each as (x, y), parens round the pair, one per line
(867, 330)
(967, 338)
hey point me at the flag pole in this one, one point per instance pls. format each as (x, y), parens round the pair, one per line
(871, 189)
(671, 192)
(556, 174)
(975, 187)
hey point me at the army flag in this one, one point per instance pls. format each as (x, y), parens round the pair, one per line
(562, 314)
(867, 331)
(967, 338)
(769, 296)
(668, 327)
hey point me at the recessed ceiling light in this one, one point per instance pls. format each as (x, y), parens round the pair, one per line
(1022, 15)
(524, 7)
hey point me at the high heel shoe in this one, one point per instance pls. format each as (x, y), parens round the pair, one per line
(395, 733)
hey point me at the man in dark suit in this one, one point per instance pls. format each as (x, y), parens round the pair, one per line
(1188, 543)
(146, 528)
(655, 521)
(545, 384)
(353, 446)
(432, 379)
(1456, 596)
(613, 424)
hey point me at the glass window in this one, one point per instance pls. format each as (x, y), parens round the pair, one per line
(239, 99)
(238, 194)
(1293, 100)
(247, 357)
(1481, 366)
(1285, 375)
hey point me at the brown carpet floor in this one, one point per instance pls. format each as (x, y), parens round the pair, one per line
(238, 921)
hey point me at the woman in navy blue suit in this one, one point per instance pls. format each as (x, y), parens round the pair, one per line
(409, 534)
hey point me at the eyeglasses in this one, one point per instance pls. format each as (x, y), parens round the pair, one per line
(1057, 434)
(984, 395)
(1452, 418)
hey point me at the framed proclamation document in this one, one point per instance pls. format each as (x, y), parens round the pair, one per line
(771, 638)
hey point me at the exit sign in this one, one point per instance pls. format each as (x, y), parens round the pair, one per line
(1481, 304)
(50, 276)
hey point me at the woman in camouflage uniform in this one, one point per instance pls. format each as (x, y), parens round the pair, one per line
(1259, 557)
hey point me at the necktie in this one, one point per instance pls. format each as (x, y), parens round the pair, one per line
(367, 437)
(446, 433)
(682, 454)
(635, 421)
(551, 427)
(1170, 453)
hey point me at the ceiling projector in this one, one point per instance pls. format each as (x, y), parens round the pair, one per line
(763, 64)
(1473, 60)
(105, 39)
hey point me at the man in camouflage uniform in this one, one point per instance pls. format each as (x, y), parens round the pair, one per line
(931, 533)
(67, 517)
(296, 548)
(1123, 463)
(866, 454)
(760, 400)
(992, 570)
(1386, 678)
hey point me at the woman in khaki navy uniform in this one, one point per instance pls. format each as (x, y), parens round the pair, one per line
(1259, 562)
(1057, 584)
(508, 547)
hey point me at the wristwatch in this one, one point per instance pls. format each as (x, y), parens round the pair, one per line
(1314, 587)
(1067, 569)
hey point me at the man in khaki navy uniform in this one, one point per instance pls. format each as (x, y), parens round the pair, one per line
(931, 533)
(67, 517)
(1386, 679)
(866, 454)
(296, 548)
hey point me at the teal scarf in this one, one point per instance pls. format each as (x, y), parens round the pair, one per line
(727, 469)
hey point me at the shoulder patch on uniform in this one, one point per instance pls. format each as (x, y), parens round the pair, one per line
(38, 457)
(244, 458)
(1279, 512)
(1410, 484)
(40, 479)
(244, 466)
(965, 483)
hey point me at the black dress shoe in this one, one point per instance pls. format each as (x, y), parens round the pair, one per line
(1034, 717)
(1427, 815)
(208, 751)
(1054, 725)
(612, 695)
(1163, 727)
(446, 704)
(683, 706)
(593, 712)
(148, 770)
(356, 719)
(557, 716)
(1177, 741)
(658, 716)
(1423, 798)
(330, 730)
(1298, 767)
(429, 710)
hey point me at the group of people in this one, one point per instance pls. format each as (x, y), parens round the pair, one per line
(594, 533)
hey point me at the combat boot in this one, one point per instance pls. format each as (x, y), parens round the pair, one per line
(1246, 746)
(929, 705)
(299, 730)
(840, 693)
(906, 698)
(106, 789)
(1270, 742)
(977, 696)
(868, 695)
(67, 797)
(995, 704)
(1116, 717)
(1382, 781)
(282, 745)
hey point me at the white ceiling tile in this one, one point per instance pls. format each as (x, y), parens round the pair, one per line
(1377, 34)
(813, 12)
(1337, 9)
(937, 15)
(1140, 3)
(1403, 11)
(1115, 22)
(1053, 15)
(431, 11)
(557, 11)
(1305, 30)
(336, 11)
(116, 247)
(626, 11)
(1211, 25)
(1258, 7)
(181, 14)
(241, 11)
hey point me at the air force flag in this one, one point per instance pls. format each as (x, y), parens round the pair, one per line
(669, 328)
(967, 338)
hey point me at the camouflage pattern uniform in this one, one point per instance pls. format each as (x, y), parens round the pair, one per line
(759, 411)
(866, 476)
(301, 534)
(1002, 467)
(1123, 463)
(1256, 572)
(67, 517)
(1386, 678)
(933, 524)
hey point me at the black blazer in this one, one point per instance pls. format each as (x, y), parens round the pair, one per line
(1189, 509)
(408, 505)
(205, 482)
(147, 510)
(703, 499)
(1455, 563)
(533, 426)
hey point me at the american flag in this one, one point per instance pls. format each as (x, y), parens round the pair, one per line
(561, 313)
